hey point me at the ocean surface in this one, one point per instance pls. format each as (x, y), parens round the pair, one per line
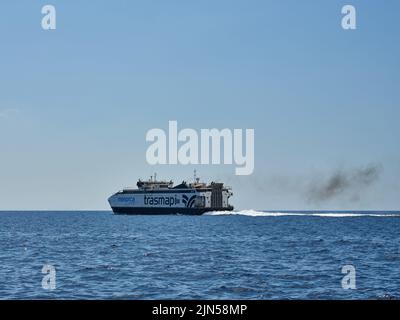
(241, 255)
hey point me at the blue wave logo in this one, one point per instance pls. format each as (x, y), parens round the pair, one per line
(188, 202)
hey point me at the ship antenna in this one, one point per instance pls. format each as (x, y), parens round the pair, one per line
(196, 179)
(155, 176)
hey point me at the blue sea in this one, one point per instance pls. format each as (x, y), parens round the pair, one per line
(240, 255)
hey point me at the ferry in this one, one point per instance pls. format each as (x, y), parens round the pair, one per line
(153, 197)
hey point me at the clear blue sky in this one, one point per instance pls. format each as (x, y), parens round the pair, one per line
(76, 103)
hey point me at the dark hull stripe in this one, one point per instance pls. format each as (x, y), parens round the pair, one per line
(164, 211)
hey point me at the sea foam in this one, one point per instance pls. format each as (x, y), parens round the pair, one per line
(257, 213)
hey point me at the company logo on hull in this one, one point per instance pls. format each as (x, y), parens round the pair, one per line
(129, 200)
(160, 200)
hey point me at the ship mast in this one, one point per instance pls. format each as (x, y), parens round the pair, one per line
(196, 179)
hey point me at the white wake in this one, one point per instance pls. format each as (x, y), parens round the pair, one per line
(256, 213)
